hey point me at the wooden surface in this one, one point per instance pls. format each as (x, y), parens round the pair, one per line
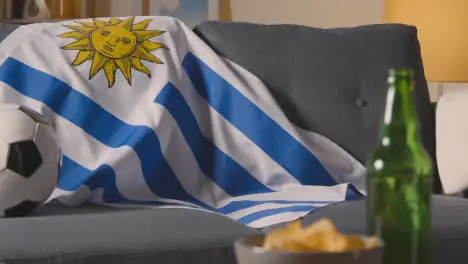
(65, 8)
(146, 7)
(30, 21)
(98, 8)
(225, 10)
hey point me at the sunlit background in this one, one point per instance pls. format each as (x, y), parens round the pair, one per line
(315, 13)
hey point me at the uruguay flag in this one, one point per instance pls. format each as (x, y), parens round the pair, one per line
(148, 115)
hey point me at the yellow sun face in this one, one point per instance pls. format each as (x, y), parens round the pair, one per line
(114, 44)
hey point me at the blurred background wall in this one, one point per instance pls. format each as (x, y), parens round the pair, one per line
(315, 13)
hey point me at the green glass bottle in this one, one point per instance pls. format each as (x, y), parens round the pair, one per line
(400, 178)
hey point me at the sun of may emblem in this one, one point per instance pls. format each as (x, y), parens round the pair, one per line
(114, 44)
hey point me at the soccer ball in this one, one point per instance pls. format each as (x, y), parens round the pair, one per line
(29, 160)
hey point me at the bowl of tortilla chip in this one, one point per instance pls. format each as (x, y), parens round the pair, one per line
(319, 242)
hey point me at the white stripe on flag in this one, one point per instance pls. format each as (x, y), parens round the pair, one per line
(236, 145)
(278, 218)
(129, 178)
(181, 159)
(258, 208)
(300, 193)
(296, 198)
(350, 170)
(190, 176)
(339, 163)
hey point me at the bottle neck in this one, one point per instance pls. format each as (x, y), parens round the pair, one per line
(400, 124)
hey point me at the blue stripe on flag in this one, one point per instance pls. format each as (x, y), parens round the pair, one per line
(352, 193)
(217, 165)
(99, 123)
(255, 124)
(72, 175)
(103, 177)
(261, 214)
(240, 205)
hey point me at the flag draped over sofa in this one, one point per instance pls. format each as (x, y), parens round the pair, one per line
(147, 114)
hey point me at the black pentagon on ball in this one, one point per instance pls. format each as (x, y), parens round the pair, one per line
(22, 209)
(24, 158)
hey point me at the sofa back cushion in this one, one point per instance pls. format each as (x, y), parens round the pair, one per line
(329, 81)
(6, 29)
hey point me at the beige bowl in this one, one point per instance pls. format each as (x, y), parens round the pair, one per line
(249, 251)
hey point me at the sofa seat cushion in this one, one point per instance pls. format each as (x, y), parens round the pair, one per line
(449, 224)
(94, 233)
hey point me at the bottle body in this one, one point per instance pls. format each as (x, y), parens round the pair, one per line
(400, 179)
(400, 213)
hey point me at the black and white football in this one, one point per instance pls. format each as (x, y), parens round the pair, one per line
(29, 160)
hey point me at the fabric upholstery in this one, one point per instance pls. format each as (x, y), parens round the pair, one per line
(329, 81)
(450, 225)
(95, 233)
(6, 29)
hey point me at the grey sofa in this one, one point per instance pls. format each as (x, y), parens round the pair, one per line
(328, 81)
